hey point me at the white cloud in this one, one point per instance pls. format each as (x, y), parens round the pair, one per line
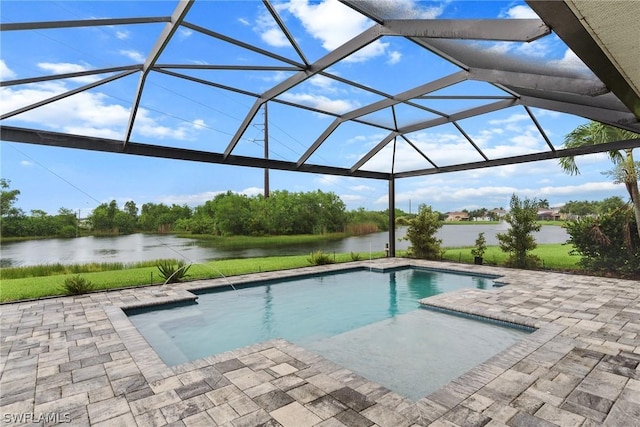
(200, 198)
(586, 190)
(362, 188)
(352, 198)
(252, 191)
(527, 140)
(66, 67)
(514, 118)
(535, 49)
(122, 35)
(185, 33)
(269, 31)
(26, 163)
(322, 82)
(333, 24)
(133, 55)
(274, 37)
(5, 72)
(320, 102)
(521, 12)
(189, 199)
(569, 61)
(244, 22)
(324, 180)
(87, 113)
(198, 124)
(372, 50)
(275, 77)
(394, 57)
(329, 21)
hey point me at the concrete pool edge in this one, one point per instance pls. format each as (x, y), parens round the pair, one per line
(80, 355)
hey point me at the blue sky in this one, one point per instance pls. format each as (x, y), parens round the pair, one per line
(182, 114)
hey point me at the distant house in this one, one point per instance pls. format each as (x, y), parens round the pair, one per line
(457, 216)
(549, 214)
(497, 213)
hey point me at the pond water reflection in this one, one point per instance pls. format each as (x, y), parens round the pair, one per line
(143, 247)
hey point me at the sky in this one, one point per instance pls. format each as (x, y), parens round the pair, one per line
(178, 113)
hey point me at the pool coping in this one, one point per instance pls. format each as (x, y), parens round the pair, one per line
(501, 390)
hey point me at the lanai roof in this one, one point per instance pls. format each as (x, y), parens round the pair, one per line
(602, 34)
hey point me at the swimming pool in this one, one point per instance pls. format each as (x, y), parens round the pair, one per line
(368, 321)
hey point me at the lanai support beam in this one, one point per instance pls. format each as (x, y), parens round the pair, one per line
(511, 30)
(559, 16)
(382, 104)
(574, 85)
(611, 117)
(169, 29)
(20, 26)
(65, 95)
(392, 216)
(358, 42)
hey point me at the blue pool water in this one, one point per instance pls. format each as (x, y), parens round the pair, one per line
(357, 318)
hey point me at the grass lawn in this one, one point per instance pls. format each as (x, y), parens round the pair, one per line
(553, 256)
(43, 286)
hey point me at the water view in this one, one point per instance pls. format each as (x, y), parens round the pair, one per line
(142, 247)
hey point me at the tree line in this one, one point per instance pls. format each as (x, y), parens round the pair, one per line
(282, 213)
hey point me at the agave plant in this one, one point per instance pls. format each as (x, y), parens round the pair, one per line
(173, 271)
(320, 258)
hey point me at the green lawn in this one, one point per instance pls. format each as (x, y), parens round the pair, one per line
(38, 287)
(554, 256)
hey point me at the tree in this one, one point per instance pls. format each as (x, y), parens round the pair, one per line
(8, 198)
(625, 171)
(422, 234)
(579, 209)
(543, 204)
(101, 218)
(610, 204)
(518, 240)
(131, 209)
(13, 221)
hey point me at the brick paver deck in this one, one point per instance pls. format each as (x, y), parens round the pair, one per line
(79, 360)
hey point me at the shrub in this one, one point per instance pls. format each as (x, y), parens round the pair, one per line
(607, 243)
(76, 285)
(320, 258)
(422, 234)
(171, 271)
(518, 240)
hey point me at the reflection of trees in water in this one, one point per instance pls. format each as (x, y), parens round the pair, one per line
(267, 316)
(393, 295)
(422, 284)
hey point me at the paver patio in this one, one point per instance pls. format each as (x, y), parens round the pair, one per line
(80, 361)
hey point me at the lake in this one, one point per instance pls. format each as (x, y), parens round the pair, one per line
(144, 247)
